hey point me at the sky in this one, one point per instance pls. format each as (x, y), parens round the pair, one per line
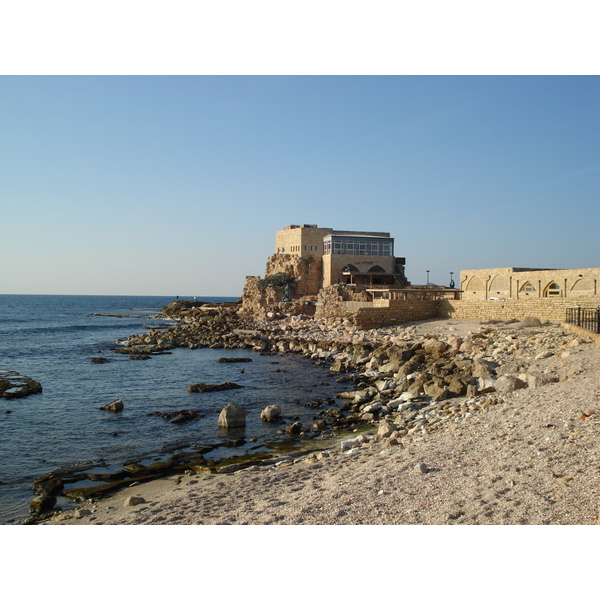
(164, 185)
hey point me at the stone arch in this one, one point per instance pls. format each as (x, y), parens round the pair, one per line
(499, 286)
(376, 269)
(583, 286)
(349, 269)
(527, 288)
(348, 272)
(475, 284)
(552, 290)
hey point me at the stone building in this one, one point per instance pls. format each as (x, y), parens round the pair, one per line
(354, 257)
(526, 283)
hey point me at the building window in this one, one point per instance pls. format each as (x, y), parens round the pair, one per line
(528, 288)
(552, 290)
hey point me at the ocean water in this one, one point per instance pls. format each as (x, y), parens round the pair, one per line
(52, 339)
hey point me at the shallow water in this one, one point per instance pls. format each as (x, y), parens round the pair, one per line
(52, 340)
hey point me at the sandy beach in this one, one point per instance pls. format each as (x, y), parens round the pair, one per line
(532, 459)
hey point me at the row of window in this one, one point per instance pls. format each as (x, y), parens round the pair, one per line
(298, 249)
(552, 290)
(369, 248)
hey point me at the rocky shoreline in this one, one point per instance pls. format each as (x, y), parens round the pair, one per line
(409, 381)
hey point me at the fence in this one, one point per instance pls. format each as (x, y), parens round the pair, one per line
(588, 318)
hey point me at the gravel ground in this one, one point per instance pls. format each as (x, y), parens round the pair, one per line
(533, 459)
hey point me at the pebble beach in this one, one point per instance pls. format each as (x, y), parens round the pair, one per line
(529, 458)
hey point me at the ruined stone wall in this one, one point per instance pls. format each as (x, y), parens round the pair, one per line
(331, 301)
(401, 312)
(259, 300)
(306, 272)
(545, 309)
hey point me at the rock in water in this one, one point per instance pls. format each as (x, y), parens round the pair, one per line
(294, 428)
(201, 388)
(271, 413)
(15, 385)
(42, 504)
(232, 416)
(115, 406)
(179, 416)
(226, 359)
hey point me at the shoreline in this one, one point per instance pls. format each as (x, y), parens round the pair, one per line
(502, 464)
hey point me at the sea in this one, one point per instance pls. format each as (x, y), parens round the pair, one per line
(52, 339)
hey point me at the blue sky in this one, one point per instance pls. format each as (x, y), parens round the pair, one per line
(176, 185)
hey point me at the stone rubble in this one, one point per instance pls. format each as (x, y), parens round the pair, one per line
(412, 380)
(416, 380)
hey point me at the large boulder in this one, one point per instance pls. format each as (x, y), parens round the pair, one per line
(486, 384)
(436, 389)
(271, 413)
(536, 379)
(508, 383)
(232, 417)
(435, 347)
(386, 429)
(42, 504)
(484, 368)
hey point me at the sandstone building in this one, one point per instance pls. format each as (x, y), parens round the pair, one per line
(354, 275)
(525, 283)
(354, 257)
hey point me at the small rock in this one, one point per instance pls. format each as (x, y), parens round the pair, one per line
(82, 512)
(348, 444)
(134, 501)
(386, 429)
(536, 380)
(421, 468)
(294, 428)
(115, 406)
